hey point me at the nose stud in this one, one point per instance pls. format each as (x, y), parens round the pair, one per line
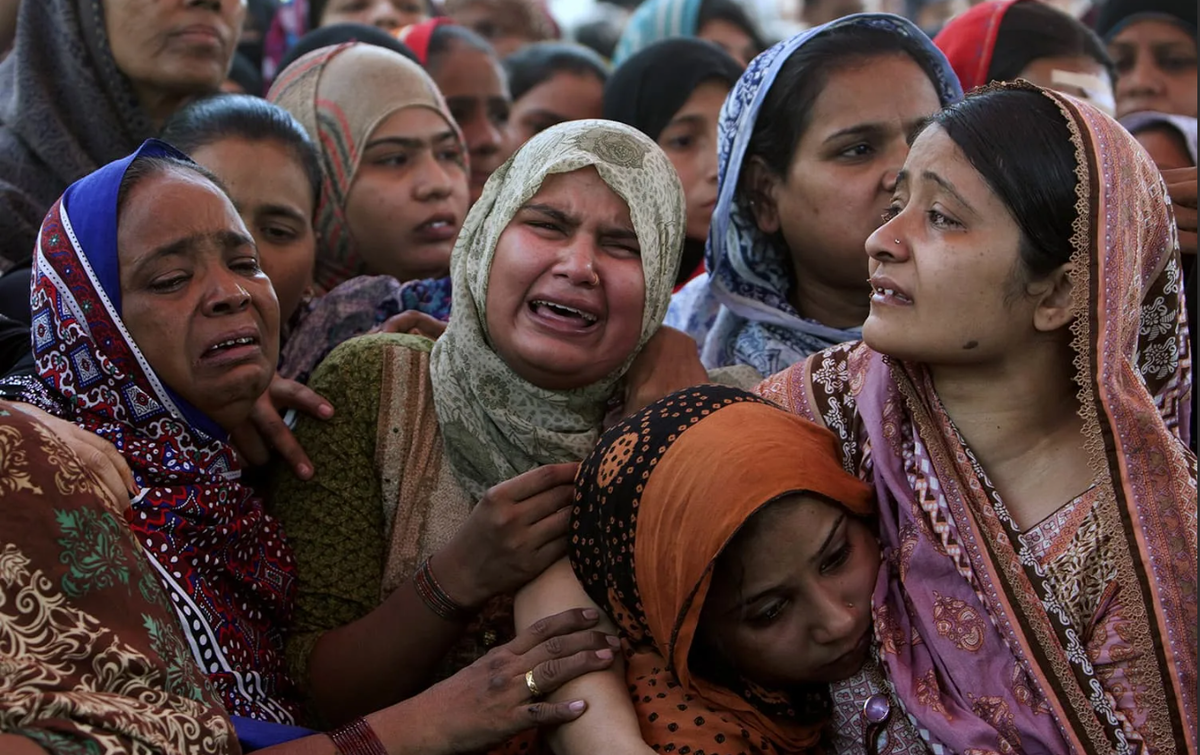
(897, 242)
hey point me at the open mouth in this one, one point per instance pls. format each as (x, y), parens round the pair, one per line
(563, 312)
(231, 343)
(881, 294)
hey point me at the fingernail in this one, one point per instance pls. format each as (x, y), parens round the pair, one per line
(577, 706)
(325, 410)
(604, 655)
(614, 641)
(591, 613)
(304, 471)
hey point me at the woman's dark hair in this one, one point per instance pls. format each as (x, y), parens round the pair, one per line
(535, 64)
(731, 12)
(148, 166)
(786, 111)
(242, 116)
(443, 39)
(328, 36)
(1031, 31)
(1017, 139)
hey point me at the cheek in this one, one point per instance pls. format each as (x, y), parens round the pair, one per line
(160, 334)
(626, 289)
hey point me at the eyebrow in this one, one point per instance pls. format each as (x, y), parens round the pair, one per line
(690, 118)
(411, 142)
(828, 538)
(947, 187)
(874, 129)
(606, 231)
(543, 114)
(279, 209)
(187, 246)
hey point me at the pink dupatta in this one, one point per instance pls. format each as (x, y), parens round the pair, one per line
(975, 645)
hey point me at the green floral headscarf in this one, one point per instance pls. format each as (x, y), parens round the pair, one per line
(497, 425)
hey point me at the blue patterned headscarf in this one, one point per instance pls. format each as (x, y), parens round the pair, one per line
(739, 312)
(656, 20)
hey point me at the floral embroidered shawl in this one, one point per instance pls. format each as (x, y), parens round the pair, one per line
(978, 648)
(223, 562)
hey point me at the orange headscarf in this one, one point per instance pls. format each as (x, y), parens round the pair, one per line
(656, 503)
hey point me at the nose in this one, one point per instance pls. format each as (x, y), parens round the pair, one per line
(226, 294)
(577, 263)
(835, 620)
(384, 15)
(711, 163)
(434, 179)
(887, 243)
(1143, 78)
(892, 167)
(483, 137)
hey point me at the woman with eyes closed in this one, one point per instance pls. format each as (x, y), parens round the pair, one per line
(810, 141)
(673, 92)
(443, 479)
(468, 73)
(393, 196)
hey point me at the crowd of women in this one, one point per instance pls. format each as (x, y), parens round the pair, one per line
(389, 377)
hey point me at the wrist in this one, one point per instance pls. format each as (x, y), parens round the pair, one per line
(411, 728)
(457, 579)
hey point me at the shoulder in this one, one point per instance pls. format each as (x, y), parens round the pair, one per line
(372, 350)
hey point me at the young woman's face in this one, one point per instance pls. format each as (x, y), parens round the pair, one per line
(476, 93)
(271, 191)
(503, 30)
(409, 196)
(690, 141)
(1156, 68)
(566, 289)
(844, 168)
(565, 96)
(790, 601)
(193, 296)
(731, 38)
(386, 14)
(944, 268)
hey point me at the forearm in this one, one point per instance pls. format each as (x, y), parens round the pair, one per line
(384, 657)
(412, 727)
(610, 724)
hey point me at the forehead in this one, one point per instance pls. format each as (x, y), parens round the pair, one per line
(464, 71)
(877, 89)
(1153, 31)
(934, 151)
(172, 205)
(257, 172)
(584, 193)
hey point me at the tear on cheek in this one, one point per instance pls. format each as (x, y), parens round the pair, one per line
(970, 345)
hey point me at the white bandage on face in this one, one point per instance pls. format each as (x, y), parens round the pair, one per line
(1096, 90)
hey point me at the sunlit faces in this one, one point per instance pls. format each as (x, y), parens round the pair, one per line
(273, 195)
(1079, 76)
(690, 141)
(731, 38)
(565, 96)
(476, 93)
(386, 14)
(790, 601)
(177, 47)
(842, 174)
(566, 289)
(504, 30)
(944, 294)
(1156, 68)
(193, 296)
(1166, 147)
(409, 196)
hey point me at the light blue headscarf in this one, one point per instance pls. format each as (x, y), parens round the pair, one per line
(656, 20)
(739, 312)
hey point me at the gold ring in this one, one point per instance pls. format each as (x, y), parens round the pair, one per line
(532, 685)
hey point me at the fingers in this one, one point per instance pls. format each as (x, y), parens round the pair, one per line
(250, 444)
(552, 674)
(290, 394)
(553, 714)
(533, 482)
(546, 659)
(414, 322)
(97, 460)
(1185, 218)
(574, 620)
(274, 430)
(547, 504)
(1187, 243)
(550, 532)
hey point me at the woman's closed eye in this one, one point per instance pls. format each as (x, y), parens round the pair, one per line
(837, 559)
(169, 283)
(278, 234)
(769, 613)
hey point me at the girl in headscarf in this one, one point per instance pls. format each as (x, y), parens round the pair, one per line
(1153, 45)
(431, 501)
(552, 82)
(394, 190)
(810, 141)
(735, 554)
(673, 92)
(1033, 600)
(1005, 40)
(725, 23)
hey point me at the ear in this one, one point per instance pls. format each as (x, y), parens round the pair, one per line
(1055, 296)
(762, 186)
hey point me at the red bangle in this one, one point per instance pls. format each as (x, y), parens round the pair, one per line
(436, 599)
(357, 738)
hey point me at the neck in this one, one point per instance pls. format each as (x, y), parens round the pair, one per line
(160, 105)
(1020, 419)
(830, 305)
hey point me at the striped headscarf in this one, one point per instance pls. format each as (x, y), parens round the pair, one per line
(341, 95)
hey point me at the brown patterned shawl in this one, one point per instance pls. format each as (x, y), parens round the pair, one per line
(981, 637)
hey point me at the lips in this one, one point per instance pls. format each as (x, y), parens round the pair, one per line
(886, 291)
(200, 33)
(439, 227)
(564, 314)
(232, 346)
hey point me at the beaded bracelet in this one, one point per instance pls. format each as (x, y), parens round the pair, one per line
(435, 598)
(357, 738)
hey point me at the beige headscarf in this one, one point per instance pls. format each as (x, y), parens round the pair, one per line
(341, 94)
(497, 425)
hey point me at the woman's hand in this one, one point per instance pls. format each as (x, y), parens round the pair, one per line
(1181, 186)
(518, 529)
(669, 362)
(266, 426)
(414, 323)
(489, 701)
(96, 453)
